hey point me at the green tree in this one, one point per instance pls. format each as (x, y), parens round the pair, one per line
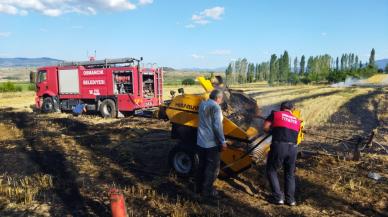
(284, 67)
(258, 75)
(250, 73)
(296, 65)
(236, 70)
(265, 70)
(302, 65)
(188, 81)
(346, 61)
(228, 73)
(337, 64)
(309, 65)
(356, 62)
(273, 69)
(372, 58)
(386, 68)
(342, 63)
(243, 71)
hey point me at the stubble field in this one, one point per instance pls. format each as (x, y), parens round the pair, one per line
(58, 165)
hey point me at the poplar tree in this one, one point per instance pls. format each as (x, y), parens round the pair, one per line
(372, 58)
(296, 65)
(337, 64)
(302, 65)
(272, 69)
(356, 62)
(309, 65)
(228, 73)
(284, 67)
(250, 74)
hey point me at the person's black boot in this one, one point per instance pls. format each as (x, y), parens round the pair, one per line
(291, 203)
(276, 201)
(212, 194)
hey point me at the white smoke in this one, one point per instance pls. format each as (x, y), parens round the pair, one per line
(349, 82)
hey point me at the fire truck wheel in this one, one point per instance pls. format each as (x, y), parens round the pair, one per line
(108, 109)
(184, 160)
(48, 105)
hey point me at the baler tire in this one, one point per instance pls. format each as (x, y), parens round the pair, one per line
(48, 105)
(108, 109)
(181, 155)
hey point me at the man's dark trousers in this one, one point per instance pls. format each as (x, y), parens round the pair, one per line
(208, 169)
(282, 154)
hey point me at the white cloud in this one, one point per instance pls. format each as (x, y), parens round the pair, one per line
(196, 56)
(207, 15)
(221, 52)
(214, 13)
(145, 2)
(12, 10)
(4, 34)
(190, 26)
(52, 12)
(60, 7)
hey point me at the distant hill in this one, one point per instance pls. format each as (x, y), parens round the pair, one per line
(28, 62)
(168, 69)
(381, 63)
(196, 69)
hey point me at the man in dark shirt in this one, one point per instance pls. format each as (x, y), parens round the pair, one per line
(284, 127)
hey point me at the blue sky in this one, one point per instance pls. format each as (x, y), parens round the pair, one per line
(192, 33)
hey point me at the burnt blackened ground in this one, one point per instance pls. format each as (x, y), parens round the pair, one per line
(87, 155)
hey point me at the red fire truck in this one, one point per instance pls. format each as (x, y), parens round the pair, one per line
(110, 86)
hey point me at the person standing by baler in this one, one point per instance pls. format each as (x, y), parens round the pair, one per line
(284, 127)
(210, 141)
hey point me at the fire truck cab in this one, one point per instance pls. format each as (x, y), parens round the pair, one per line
(111, 86)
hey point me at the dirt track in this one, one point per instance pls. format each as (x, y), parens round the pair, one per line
(86, 155)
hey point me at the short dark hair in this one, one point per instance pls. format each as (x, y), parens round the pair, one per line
(215, 94)
(286, 105)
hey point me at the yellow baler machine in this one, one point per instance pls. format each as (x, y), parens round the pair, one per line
(182, 111)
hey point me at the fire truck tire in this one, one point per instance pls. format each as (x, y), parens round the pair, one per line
(108, 109)
(48, 105)
(184, 160)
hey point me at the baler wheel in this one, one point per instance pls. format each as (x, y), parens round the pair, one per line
(184, 160)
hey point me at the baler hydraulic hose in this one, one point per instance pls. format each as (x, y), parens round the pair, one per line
(247, 153)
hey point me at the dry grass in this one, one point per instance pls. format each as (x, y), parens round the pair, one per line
(19, 101)
(23, 189)
(174, 207)
(378, 79)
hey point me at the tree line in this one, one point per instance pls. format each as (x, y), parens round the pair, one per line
(317, 69)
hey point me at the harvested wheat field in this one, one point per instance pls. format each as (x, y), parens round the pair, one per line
(60, 165)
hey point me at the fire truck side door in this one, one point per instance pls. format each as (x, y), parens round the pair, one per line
(41, 82)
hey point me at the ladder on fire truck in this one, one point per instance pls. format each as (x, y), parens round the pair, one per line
(159, 93)
(102, 63)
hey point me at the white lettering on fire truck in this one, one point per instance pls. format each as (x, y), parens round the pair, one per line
(94, 72)
(95, 92)
(93, 82)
